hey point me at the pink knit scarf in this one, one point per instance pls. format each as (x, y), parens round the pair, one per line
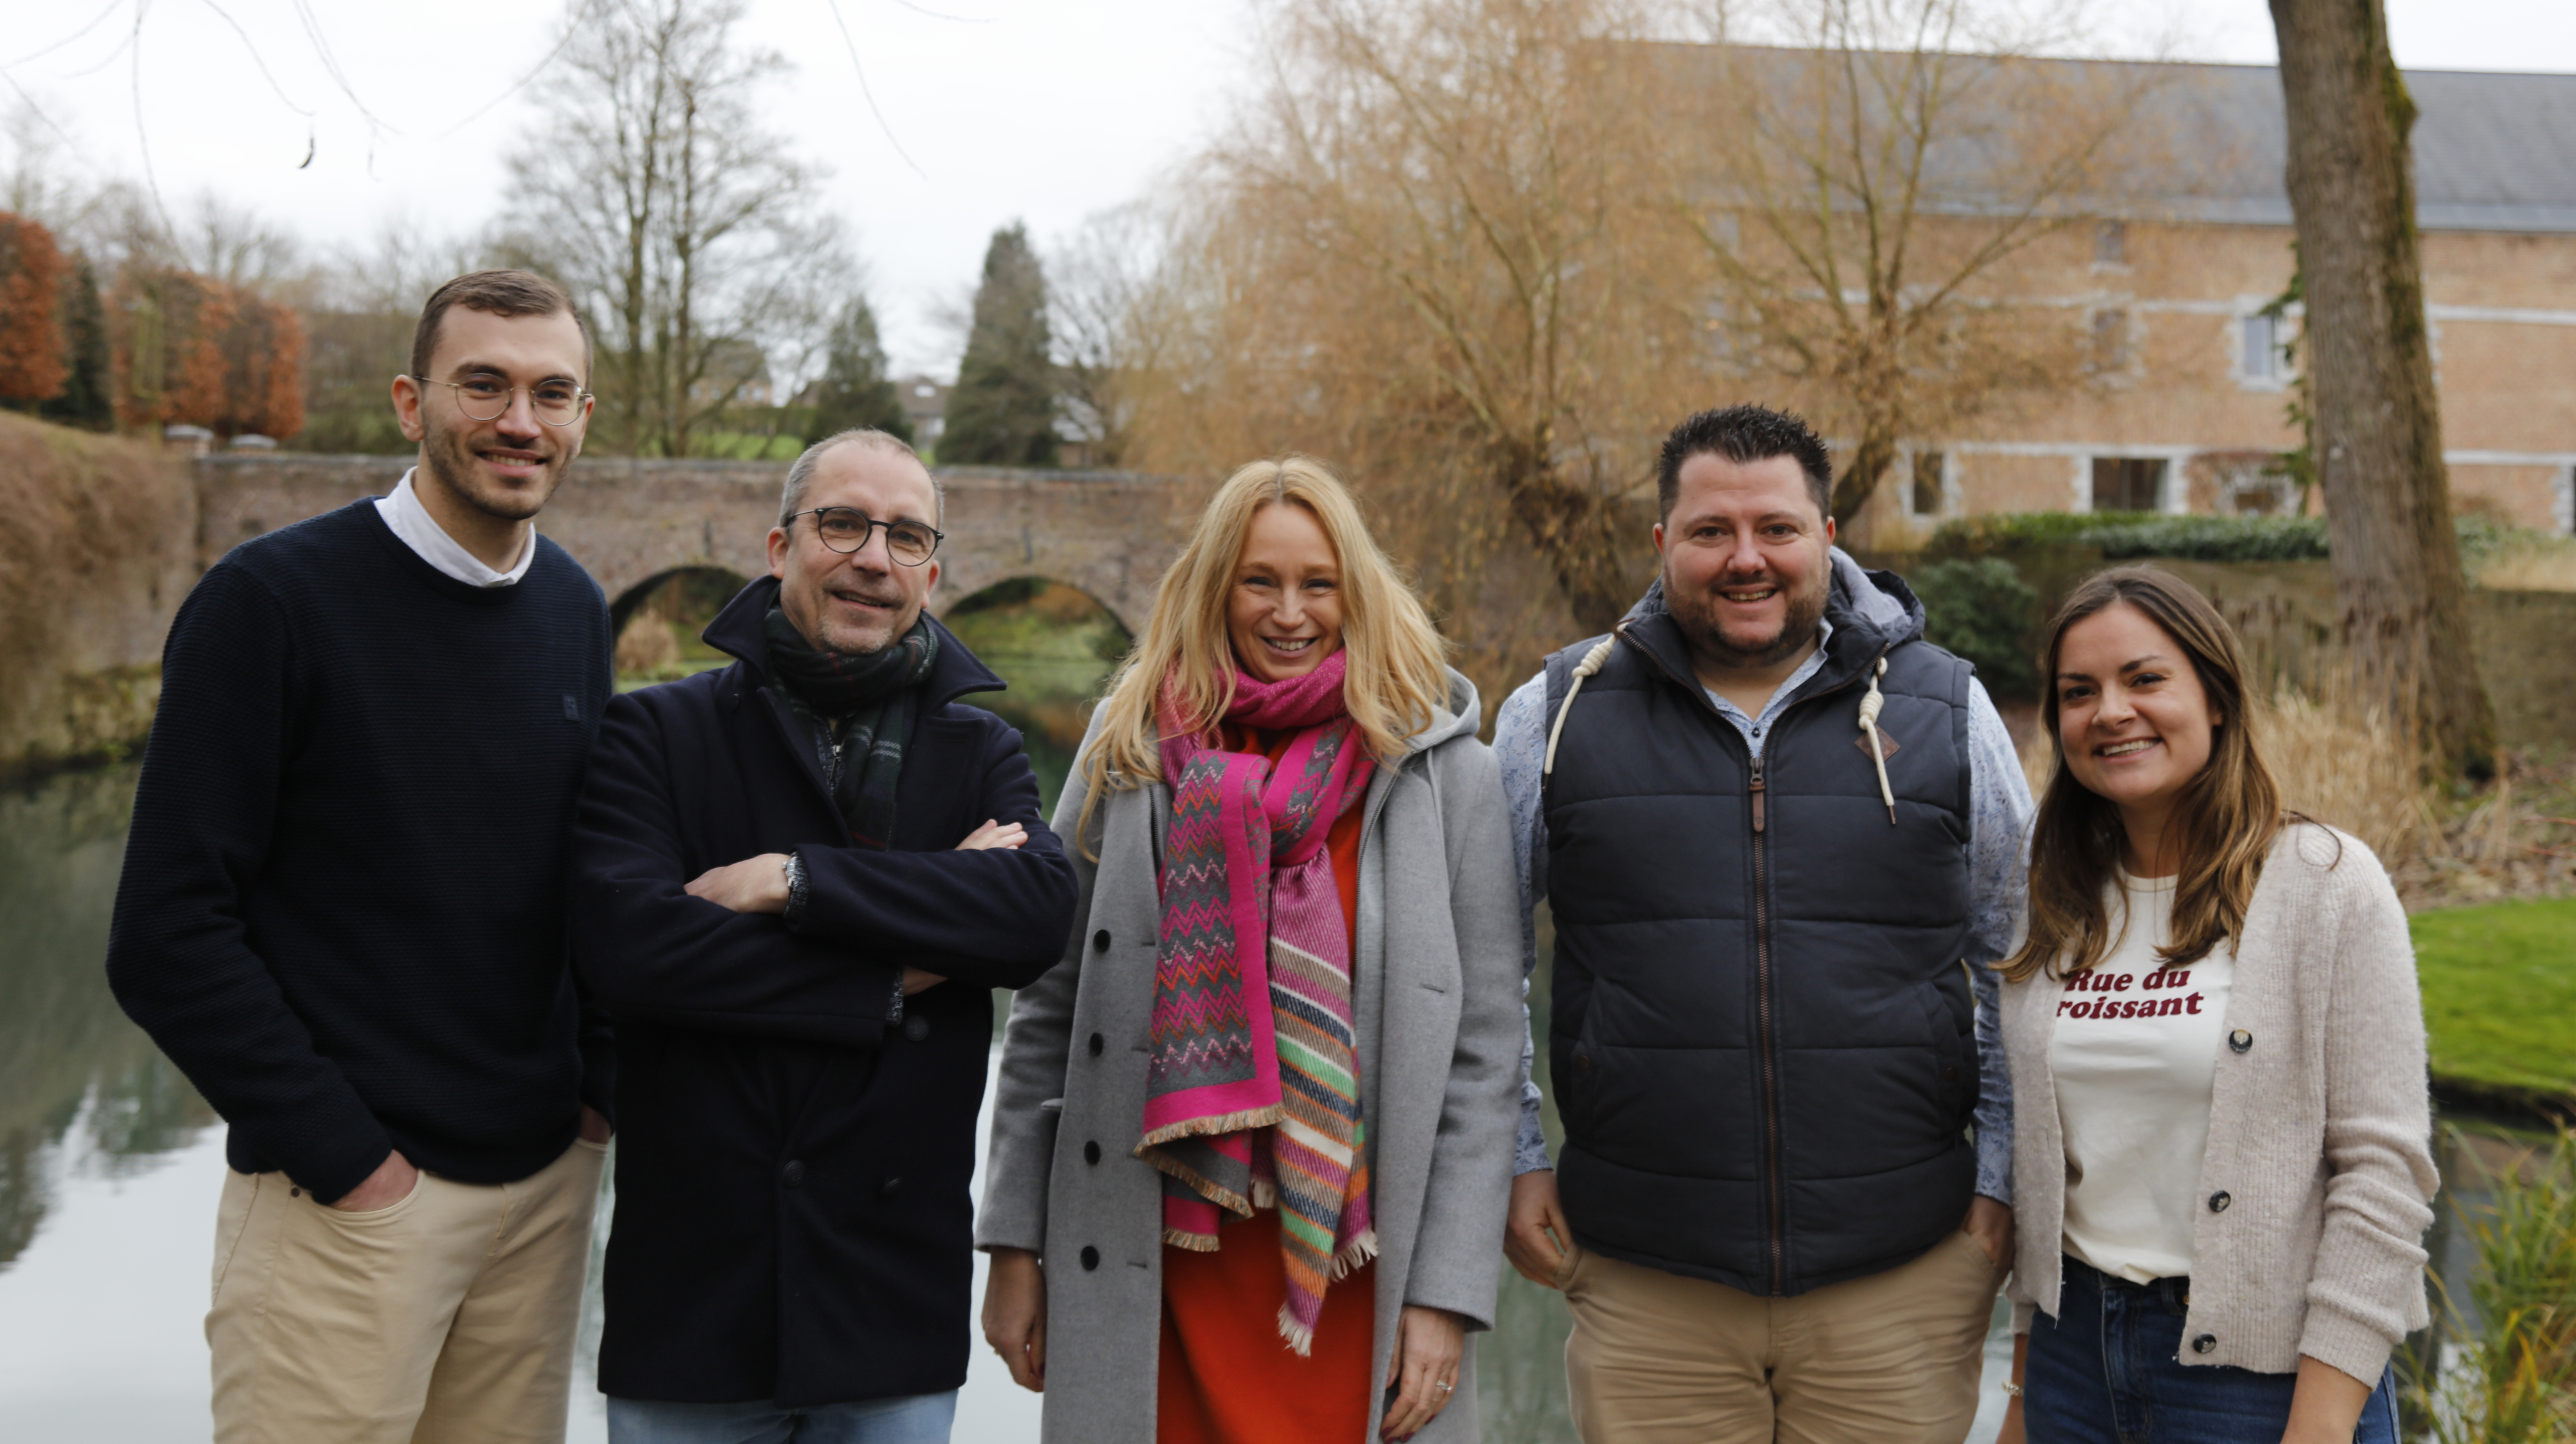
(1252, 1092)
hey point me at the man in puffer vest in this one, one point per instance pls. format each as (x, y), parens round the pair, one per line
(1781, 837)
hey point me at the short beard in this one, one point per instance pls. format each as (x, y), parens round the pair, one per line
(452, 462)
(1696, 615)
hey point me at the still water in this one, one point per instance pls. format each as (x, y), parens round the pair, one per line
(110, 1165)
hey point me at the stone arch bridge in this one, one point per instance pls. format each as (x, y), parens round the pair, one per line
(633, 522)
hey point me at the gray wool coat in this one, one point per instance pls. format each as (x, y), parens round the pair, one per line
(1439, 1027)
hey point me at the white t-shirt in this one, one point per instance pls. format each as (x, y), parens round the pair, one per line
(2135, 1055)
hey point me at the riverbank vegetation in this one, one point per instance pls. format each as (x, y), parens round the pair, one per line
(2505, 1367)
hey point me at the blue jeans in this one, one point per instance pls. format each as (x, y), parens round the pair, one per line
(2104, 1371)
(916, 1419)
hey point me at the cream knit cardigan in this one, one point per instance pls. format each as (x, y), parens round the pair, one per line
(2319, 1166)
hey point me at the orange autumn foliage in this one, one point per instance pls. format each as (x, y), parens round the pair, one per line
(31, 328)
(189, 349)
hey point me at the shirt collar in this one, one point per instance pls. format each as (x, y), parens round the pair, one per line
(408, 519)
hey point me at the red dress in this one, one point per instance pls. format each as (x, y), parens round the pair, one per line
(1224, 1375)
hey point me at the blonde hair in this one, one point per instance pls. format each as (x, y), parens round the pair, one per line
(1397, 675)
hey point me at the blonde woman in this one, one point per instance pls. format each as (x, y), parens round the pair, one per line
(2221, 1155)
(1252, 1142)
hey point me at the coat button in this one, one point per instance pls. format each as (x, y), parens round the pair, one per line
(1095, 1045)
(2204, 1343)
(793, 1175)
(2241, 1041)
(1091, 1152)
(2218, 1201)
(1950, 1075)
(1100, 940)
(889, 1186)
(916, 1028)
(1582, 1062)
(1090, 1258)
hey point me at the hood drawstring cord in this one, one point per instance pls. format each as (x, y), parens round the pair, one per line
(1591, 663)
(1870, 702)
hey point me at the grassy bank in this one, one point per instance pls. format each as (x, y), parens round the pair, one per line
(2500, 1000)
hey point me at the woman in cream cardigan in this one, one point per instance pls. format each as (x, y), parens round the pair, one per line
(2221, 1163)
(1252, 1141)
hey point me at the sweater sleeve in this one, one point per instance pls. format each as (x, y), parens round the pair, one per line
(649, 950)
(994, 917)
(179, 953)
(2367, 1290)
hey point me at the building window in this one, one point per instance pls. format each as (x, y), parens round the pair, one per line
(1927, 493)
(2128, 483)
(2111, 243)
(2110, 342)
(2259, 353)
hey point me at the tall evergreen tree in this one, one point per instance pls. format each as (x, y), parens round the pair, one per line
(84, 399)
(855, 390)
(1002, 412)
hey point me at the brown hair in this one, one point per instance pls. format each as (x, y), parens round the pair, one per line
(495, 293)
(2228, 814)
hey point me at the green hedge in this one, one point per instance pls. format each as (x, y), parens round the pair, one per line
(2129, 535)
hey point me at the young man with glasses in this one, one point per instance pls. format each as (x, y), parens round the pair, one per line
(342, 913)
(796, 881)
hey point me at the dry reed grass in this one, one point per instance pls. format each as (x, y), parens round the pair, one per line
(2530, 562)
(2339, 764)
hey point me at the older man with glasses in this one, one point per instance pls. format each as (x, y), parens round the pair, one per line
(796, 881)
(343, 913)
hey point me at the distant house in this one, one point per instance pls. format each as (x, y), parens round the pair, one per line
(2172, 284)
(736, 366)
(925, 403)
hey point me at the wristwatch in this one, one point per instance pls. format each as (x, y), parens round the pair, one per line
(794, 870)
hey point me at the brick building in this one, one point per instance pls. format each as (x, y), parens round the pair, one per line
(2186, 405)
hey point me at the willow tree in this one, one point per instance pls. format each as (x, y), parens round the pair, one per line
(1861, 193)
(1431, 249)
(2375, 423)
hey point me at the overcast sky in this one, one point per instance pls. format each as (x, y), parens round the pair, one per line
(1042, 110)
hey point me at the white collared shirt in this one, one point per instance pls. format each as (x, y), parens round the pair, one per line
(411, 521)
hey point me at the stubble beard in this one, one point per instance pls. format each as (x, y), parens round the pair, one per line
(1695, 612)
(458, 469)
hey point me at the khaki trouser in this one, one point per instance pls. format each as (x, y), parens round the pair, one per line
(1893, 1358)
(444, 1318)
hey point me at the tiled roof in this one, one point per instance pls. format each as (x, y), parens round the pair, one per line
(2493, 151)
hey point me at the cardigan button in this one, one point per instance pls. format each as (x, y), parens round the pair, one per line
(1095, 1045)
(2241, 1041)
(1100, 940)
(916, 1028)
(2218, 1201)
(1091, 1153)
(793, 1175)
(2204, 1343)
(1090, 1258)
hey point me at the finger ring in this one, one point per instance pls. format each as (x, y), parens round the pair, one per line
(1445, 1388)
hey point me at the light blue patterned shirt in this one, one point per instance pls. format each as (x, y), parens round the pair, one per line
(1999, 826)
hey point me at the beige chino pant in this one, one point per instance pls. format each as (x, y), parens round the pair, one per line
(446, 1318)
(1893, 1358)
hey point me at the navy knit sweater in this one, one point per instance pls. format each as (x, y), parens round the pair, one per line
(342, 913)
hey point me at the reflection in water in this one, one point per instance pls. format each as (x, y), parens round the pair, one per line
(74, 1074)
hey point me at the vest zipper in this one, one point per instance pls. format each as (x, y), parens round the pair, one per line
(1762, 1015)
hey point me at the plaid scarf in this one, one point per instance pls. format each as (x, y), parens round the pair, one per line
(1252, 1092)
(858, 710)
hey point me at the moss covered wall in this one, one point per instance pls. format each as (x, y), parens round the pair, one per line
(98, 548)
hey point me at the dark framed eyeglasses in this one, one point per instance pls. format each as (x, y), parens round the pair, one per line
(487, 398)
(847, 529)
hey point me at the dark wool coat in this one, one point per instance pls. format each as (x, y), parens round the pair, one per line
(792, 1219)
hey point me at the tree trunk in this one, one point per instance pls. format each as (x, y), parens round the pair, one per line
(2377, 428)
(1859, 482)
(1577, 533)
